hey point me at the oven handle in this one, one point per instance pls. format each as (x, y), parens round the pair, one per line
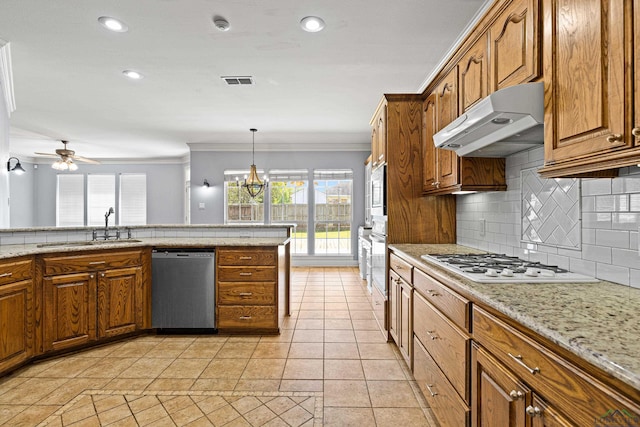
(378, 238)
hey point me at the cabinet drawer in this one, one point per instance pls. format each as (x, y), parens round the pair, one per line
(247, 317)
(14, 271)
(401, 267)
(247, 256)
(243, 274)
(54, 265)
(442, 398)
(448, 346)
(241, 293)
(452, 305)
(570, 389)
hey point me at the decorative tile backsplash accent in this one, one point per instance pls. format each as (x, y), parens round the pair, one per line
(551, 212)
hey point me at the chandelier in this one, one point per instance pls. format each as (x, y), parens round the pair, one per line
(252, 184)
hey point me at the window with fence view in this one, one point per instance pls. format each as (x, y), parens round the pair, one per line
(289, 191)
(332, 195)
(240, 207)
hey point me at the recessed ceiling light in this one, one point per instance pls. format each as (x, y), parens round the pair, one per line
(221, 23)
(312, 24)
(133, 75)
(113, 24)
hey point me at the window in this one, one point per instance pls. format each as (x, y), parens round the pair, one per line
(289, 191)
(239, 206)
(70, 201)
(101, 195)
(133, 199)
(332, 221)
(73, 199)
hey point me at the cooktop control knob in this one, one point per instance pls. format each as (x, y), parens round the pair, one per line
(491, 272)
(547, 273)
(506, 272)
(531, 272)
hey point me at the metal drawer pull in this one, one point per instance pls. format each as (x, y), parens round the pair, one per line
(533, 411)
(244, 317)
(245, 257)
(635, 132)
(91, 276)
(102, 274)
(516, 394)
(96, 262)
(6, 274)
(430, 390)
(245, 294)
(433, 293)
(398, 267)
(518, 360)
(245, 274)
(433, 337)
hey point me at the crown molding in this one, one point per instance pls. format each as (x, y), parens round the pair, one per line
(279, 146)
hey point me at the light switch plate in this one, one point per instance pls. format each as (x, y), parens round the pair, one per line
(201, 206)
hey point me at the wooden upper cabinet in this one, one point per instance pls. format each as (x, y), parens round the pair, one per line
(513, 44)
(379, 136)
(588, 97)
(473, 69)
(429, 150)
(447, 111)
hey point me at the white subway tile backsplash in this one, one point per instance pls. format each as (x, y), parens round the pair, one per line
(612, 203)
(625, 221)
(626, 185)
(596, 253)
(613, 273)
(591, 187)
(612, 238)
(634, 278)
(596, 220)
(582, 266)
(625, 257)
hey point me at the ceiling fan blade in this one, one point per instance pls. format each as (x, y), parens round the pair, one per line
(47, 154)
(84, 159)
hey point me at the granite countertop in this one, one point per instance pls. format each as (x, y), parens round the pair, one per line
(9, 251)
(599, 322)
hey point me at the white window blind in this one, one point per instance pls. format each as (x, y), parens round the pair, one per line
(133, 199)
(101, 195)
(70, 201)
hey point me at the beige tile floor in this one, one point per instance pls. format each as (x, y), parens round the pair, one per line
(330, 366)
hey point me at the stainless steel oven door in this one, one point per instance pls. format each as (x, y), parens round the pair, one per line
(378, 188)
(379, 262)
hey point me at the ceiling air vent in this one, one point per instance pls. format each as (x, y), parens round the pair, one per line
(238, 80)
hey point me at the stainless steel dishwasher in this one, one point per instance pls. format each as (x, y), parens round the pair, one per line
(183, 289)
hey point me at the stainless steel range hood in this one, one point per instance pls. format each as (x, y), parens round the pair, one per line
(506, 122)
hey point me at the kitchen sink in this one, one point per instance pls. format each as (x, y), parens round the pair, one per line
(86, 243)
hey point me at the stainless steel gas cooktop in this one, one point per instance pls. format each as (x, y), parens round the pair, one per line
(497, 268)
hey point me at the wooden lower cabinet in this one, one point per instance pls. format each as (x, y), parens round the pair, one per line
(401, 314)
(87, 297)
(69, 310)
(118, 291)
(247, 297)
(16, 313)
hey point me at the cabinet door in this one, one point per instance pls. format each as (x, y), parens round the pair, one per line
(636, 71)
(16, 323)
(69, 310)
(374, 146)
(394, 302)
(584, 61)
(381, 132)
(543, 415)
(513, 44)
(119, 293)
(473, 69)
(405, 320)
(499, 398)
(429, 127)
(447, 104)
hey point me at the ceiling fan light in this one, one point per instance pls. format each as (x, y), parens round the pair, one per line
(60, 165)
(72, 166)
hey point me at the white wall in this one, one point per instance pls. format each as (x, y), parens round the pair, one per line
(211, 165)
(610, 219)
(4, 156)
(33, 194)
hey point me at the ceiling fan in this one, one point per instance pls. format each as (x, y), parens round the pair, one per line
(66, 158)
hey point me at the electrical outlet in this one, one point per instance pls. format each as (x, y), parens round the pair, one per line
(201, 206)
(483, 226)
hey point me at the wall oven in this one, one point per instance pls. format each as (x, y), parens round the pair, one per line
(378, 238)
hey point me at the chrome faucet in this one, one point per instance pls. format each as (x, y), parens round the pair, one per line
(106, 223)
